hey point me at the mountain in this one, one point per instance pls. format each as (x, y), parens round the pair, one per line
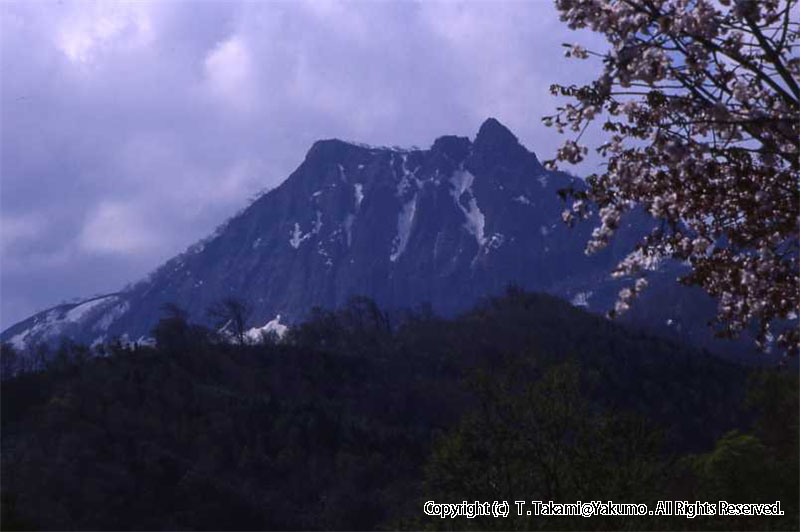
(448, 226)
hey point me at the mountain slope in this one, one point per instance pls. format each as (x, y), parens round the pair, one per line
(447, 225)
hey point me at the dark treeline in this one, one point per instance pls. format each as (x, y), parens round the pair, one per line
(353, 422)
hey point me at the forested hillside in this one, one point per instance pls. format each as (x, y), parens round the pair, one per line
(354, 420)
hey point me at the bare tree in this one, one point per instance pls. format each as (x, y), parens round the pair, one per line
(701, 104)
(231, 313)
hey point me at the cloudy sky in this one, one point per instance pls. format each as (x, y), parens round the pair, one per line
(130, 130)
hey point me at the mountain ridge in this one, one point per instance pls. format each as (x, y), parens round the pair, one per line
(446, 225)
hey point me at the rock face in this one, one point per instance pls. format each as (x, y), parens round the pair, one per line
(447, 226)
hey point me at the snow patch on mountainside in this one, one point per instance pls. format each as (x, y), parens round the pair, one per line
(44, 328)
(475, 220)
(522, 199)
(581, 299)
(348, 228)
(324, 253)
(462, 181)
(405, 220)
(317, 223)
(146, 341)
(58, 320)
(408, 181)
(359, 191)
(111, 315)
(495, 241)
(75, 314)
(256, 334)
(297, 236)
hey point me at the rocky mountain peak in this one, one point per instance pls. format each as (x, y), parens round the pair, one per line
(494, 134)
(496, 145)
(330, 150)
(455, 148)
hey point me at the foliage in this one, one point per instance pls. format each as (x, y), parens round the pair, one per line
(332, 427)
(540, 439)
(702, 106)
(543, 440)
(754, 466)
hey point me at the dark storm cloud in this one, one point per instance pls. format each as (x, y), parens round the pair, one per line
(130, 130)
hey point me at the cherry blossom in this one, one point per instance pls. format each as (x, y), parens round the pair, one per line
(701, 104)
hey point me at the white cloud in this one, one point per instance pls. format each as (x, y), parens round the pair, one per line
(228, 69)
(18, 228)
(118, 228)
(91, 27)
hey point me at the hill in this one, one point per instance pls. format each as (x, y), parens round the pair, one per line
(353, 421)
